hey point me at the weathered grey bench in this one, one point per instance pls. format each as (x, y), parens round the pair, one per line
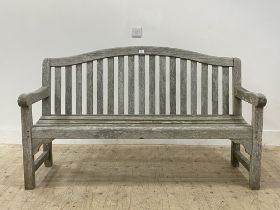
(199, 108)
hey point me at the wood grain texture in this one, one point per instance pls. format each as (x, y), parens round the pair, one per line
(25, 100)
(193, 88)
(225, 92)
(256, 155)
(183, 86)
(172, 85)
(90, 87)
(141, 84)
(204, 89)
(57, 96)
(68, 90)
(121, 85)
(79, 86)
(131, 88)
(46, 82)
(236, 82)
(152, 84)
(162, 85)
(28, 158)
(256, 99)
(100, 86)
(144, 131)
(149, 50)
(111, 85)
(215, 84)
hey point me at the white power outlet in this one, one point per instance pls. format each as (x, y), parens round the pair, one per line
(137, 32)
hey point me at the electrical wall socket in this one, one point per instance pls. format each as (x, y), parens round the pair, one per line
(137, 32)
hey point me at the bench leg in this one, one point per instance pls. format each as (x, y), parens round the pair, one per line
(28, 157)
(255, 157)
(234, 147)
(48, 147)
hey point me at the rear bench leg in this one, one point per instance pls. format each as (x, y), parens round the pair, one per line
(48, 148)
(234, 148)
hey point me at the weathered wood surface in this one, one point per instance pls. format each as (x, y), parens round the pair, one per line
(28, 157)
(68, 90)
(25, 100)
(131, 81)
(100, 86)
(256, 154)
(215, 99)
(172, 85)
(121, 85)
(204, 89)
(57, 97)
(141, 84)
(132, 126)
(79, 89)
(256, 99)
(89, 87)
(46, 82)
(110, 86)
(193, 88)
(148, 50)
(183, 88)
(225, 85)
(162, 85)
(152, 82)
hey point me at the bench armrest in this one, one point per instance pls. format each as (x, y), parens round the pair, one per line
(256, 99)
(25, 100)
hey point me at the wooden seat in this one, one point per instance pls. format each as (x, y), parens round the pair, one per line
(138, 127)
(186, 95)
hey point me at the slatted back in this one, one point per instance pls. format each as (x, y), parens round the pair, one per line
(141, 80)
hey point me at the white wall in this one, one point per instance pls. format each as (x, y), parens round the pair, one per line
(31, 30)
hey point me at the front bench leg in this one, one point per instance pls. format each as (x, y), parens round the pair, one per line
(28, 157)
(255, 157)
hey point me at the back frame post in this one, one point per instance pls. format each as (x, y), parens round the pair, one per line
(46, 81)
(236, 105)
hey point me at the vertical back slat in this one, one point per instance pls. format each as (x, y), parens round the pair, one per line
(172, 85)
(183, 89)
(79, 89)
(141, 84)
(225, 86)
(204, 89)
(121, 85)
(111, 85)
(57, 90)
(68, 90)
(46, 81)
(162, 84)
(236, 82)
(100, 86)
(152, 66)
(89, 87)
(131, 84)
(193, 87)
(214, 90)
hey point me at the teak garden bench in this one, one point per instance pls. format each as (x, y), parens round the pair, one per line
(189, 96)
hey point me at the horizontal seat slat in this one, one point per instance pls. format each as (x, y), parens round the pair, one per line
(146, 131)
(142, 117)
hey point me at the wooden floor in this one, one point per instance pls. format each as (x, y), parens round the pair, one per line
(139, 177)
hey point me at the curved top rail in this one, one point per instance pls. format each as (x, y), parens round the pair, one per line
(138, 50)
